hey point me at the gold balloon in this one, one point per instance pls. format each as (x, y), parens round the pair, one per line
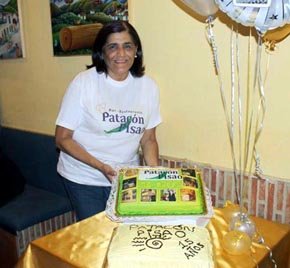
(272, 37)
(236, 242)
(231, 210)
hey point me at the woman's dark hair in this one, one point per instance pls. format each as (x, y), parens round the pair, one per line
(137, 68)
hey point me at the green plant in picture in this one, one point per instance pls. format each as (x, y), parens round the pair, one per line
(75, 22)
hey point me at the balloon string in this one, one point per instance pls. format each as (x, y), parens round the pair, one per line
(232, 126)
(251, 102)
(256, 84)
(248, 121)
(261, 241)
(240, 120)
(261, 109)
(258, 170)
(232, 85)
(250, 117)
(259, 124)
(211, 41)
(235, 66)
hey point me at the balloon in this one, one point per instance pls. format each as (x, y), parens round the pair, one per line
(277, 35)
(231, 210)
(243, 223)
(204, 8)
(266, 16)
(236, 243)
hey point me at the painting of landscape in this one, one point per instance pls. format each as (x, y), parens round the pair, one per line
(75, 23)
(11, 39)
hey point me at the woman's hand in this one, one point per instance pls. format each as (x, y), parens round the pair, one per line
(108, 171)
(65, 142)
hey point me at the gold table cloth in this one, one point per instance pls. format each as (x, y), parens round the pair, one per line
(84, 244)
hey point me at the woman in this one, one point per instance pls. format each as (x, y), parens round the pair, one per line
(107, 113)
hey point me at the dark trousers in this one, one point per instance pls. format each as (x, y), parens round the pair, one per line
(87, 200)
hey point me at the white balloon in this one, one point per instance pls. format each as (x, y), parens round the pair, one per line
(204, 8)
(262, 17)
(241, 222)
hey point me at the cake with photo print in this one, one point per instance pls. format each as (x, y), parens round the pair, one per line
(147, 191)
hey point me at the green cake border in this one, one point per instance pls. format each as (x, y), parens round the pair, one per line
(133, 206)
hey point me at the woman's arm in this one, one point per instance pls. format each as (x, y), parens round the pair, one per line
(149, 147)
(65, 142)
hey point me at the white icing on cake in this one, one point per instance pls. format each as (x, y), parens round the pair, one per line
(178, 246)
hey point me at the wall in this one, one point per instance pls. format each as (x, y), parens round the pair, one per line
(178, 56)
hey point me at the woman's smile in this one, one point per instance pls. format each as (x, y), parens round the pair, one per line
(119, 54)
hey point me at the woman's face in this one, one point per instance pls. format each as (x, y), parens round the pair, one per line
(119, 52)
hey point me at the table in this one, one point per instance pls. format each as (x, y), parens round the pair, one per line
(85, 244)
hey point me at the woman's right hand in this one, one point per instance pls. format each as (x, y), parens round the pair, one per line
(65, 142)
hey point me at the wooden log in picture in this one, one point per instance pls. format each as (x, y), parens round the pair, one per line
(75, 23)
(77, 37)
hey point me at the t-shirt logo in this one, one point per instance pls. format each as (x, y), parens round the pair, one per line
(132, 123)
(122, 127)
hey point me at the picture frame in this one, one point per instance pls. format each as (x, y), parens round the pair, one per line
(75, 23)
(11, 30)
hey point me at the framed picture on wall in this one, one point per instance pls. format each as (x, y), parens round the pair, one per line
(11, 33)
(75, 23)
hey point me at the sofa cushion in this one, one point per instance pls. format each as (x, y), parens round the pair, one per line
(12, 180)
(34, 205)
(36, 156)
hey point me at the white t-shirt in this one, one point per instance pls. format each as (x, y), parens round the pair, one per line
(108, 118)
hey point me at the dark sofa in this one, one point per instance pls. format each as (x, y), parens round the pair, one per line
(43, 206)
